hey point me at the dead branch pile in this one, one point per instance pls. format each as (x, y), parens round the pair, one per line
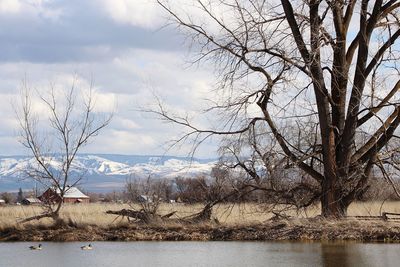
(144, 217)
(137, 216)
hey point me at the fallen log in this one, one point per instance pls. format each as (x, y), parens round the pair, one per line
(53, 216)
(166, 216)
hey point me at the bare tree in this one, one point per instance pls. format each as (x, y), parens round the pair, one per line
(72, 122)
(324, 70)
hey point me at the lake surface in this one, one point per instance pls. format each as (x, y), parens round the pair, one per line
(115, 254)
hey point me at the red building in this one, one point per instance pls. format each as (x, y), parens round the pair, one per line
(72, 195)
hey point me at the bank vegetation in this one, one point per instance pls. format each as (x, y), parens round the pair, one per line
(89, 222)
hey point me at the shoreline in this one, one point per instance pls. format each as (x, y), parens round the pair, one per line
(284, 230)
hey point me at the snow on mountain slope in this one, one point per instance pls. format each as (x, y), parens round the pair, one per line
(103, 169)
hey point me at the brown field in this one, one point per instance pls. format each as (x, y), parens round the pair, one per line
(229, 215)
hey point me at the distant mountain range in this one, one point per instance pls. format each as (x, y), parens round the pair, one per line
(106, 172)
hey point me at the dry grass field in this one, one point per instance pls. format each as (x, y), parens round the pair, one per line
(237, 222)
(94, 213)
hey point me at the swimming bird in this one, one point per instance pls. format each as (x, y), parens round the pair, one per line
(36, 247)
(88, 247)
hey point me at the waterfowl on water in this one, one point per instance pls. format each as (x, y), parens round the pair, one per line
(36, 247)
(88, 247)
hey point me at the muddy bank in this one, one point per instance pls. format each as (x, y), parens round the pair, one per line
(312, 230)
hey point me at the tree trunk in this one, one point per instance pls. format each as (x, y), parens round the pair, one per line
(332, 202)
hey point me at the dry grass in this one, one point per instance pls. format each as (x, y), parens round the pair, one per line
(239, 214)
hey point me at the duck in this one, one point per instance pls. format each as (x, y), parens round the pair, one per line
(88, 247)
(36, 247)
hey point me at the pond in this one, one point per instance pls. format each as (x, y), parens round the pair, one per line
(200, 254)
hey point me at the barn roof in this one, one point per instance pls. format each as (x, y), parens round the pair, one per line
(73, 192)
(32, 200)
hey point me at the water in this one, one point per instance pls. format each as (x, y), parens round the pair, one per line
(177, 254)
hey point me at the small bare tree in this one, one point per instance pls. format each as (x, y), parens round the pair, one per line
(55, 145)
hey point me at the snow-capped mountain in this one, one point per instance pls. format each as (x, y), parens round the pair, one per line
(104, 172)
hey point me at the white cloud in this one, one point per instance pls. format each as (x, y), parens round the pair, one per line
(10, 6)
(124, 75)
(122, 85)
(42, 8)
(104, 102)
(124, 124)
(149, 14)
(143, 13)
(113, 141)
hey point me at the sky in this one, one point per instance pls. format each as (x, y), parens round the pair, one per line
(122, 47)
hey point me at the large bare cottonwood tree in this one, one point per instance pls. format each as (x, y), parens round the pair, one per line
(67, 122)
(319, 77)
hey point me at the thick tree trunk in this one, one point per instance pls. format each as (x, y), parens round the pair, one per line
(332, 207)
(332, 200)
